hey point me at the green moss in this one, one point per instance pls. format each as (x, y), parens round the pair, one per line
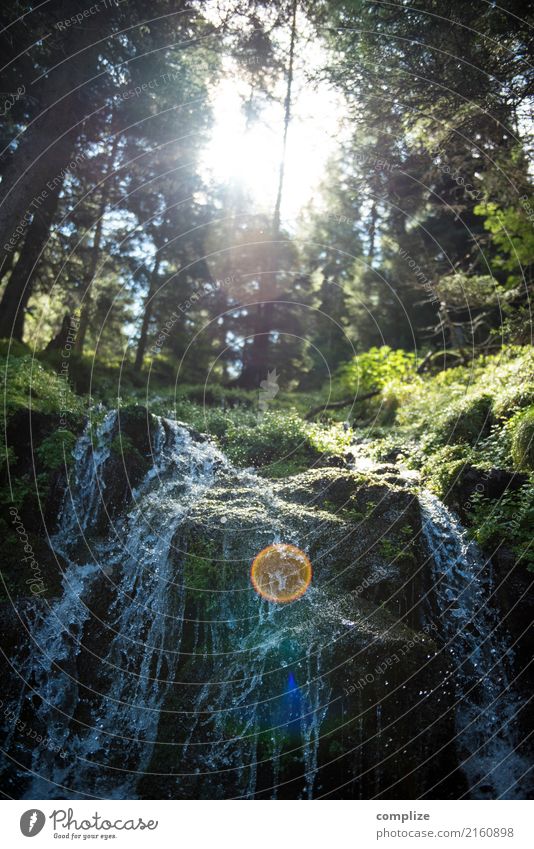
(79, 369)
(522, 431)
(199, 569)
(468, 422)
(398, 548)
(56, 450)
(28, 385)
(282, 469)
(12, 348)
(508, 520)
(7, 455)
(16, 571)
(122, 446)
(442, 470)
(348, 512)
(276, 437)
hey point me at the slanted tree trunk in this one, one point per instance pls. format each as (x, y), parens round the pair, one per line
(19, 287)
(57, 343)
(256, 355)
(37, 168)
(148, 307)
(41, 158)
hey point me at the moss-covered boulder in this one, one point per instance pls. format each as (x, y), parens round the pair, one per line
(523, 440)
(469, 422)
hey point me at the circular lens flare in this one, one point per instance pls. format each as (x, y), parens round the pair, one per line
(281, 572)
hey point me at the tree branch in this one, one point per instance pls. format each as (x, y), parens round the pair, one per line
(337, 405)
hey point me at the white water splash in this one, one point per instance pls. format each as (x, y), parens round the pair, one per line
(487, 703)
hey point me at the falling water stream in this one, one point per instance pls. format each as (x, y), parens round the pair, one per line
(488, 705)
(107, 652)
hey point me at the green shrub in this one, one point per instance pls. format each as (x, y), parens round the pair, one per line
(375, 369)
(329, 439)
(469, 422)
(56, 449)
(522, 427)
(277, 436)
(27, 383)
(79, 370)
(12, 348)
(509, 519)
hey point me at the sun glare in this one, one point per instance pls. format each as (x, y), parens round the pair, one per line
(281, 573)
(248, 155)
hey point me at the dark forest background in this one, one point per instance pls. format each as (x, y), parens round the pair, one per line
(423, 237)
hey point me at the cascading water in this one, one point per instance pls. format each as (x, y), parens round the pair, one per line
(132, 566)
(106, 657)
(161, 673)
(487, 706)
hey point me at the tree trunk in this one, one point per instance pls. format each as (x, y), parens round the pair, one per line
(372, 232)
(85, 312)
(147, 315)
(256, 354)
(41, 158)
(19, 287)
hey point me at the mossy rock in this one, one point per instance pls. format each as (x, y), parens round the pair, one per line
(55, 451)
(328, 488)
(443, 470)
(79, 368)
(135, 424)
(30, 569)
(523, 440)
(470, 422)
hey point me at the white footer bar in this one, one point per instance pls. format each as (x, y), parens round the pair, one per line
(269, 824)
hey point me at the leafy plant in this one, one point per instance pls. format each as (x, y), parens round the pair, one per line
(469, 422)
(28, 384)
(523, 439)
(278, 436)
(509, 519)
(375, 369)
(56, 450)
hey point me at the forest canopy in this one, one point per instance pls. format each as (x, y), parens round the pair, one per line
(127, 212)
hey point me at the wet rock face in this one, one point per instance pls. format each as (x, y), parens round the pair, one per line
(515, 597)
(331, 695)
(167, 664)
(375, 539)
(489, 483)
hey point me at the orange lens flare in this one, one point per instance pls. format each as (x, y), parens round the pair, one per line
(281, 572)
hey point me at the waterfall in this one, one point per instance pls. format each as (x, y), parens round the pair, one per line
(106, 656)
(480, 652)
(160, 673)
(131, 572)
